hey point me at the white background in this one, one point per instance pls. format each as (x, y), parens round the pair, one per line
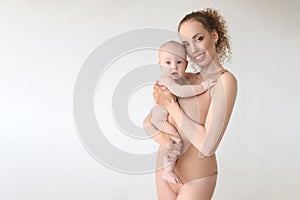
(42, 47)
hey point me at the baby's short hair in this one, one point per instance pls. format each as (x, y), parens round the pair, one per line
(173, 47)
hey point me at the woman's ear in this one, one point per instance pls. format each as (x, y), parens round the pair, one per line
(215, 35)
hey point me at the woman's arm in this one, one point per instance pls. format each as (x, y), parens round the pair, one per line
(204, 137)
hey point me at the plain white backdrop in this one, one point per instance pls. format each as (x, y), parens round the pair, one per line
(43, 45)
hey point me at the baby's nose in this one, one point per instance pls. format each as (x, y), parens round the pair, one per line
(174, 66)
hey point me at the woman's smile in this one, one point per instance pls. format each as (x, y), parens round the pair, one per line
(200, 57)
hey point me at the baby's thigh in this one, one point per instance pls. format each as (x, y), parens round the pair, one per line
(159, 113)
(164, 192)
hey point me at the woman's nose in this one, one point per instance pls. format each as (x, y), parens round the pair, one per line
(194, 47)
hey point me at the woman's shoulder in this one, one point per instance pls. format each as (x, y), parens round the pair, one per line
(227, 81)
(228, 77)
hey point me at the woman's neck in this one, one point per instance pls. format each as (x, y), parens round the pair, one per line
(211, 68)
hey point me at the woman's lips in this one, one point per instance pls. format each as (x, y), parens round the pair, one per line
(199, 57)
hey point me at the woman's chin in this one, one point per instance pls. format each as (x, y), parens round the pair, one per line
(200, 64)
(204, 63)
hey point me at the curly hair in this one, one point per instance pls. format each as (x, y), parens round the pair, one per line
(211, 19)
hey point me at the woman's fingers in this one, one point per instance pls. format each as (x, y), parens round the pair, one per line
(157, 88)
(162, 95)
(155, 96)
(155, 93)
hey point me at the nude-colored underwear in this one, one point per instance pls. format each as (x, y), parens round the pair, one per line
(198, 189)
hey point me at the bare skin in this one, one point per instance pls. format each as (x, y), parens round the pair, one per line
(202, 128)
(172, 60)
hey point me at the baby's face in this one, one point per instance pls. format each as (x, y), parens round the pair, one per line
(172, 65)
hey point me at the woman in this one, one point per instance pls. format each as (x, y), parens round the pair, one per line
(201, 125)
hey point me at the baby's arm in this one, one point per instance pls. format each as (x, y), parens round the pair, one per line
(159, 118)
(186, 90)
(206, 137)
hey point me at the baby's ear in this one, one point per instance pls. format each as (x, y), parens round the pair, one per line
(187, 62)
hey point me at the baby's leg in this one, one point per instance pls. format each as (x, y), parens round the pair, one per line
(164, 191)
(159, 118)
(169, 175)
(169, 159)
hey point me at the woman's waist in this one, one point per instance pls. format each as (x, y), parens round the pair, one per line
(190, 167)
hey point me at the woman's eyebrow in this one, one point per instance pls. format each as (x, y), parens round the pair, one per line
(197, 35)
(193, 37)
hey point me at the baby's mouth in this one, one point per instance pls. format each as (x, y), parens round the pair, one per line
(174, 74)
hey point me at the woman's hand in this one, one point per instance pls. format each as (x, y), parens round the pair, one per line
(163, 96)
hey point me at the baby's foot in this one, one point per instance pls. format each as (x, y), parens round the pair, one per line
(171, 177)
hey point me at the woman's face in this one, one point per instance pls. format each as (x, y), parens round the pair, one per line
(199, 43)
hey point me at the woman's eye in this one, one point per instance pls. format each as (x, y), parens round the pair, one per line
(199, 39)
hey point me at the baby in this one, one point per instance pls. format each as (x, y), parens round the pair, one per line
(173, 63)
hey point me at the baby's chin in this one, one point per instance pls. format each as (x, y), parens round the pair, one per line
(175, 76)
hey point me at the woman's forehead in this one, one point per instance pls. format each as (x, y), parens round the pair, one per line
(190, 29)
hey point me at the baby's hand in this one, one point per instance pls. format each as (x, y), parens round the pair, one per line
(208, 83)
(211, 80)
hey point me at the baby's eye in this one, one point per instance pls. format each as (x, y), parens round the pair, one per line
(179, 62)
(168, 62)
(199, 39)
